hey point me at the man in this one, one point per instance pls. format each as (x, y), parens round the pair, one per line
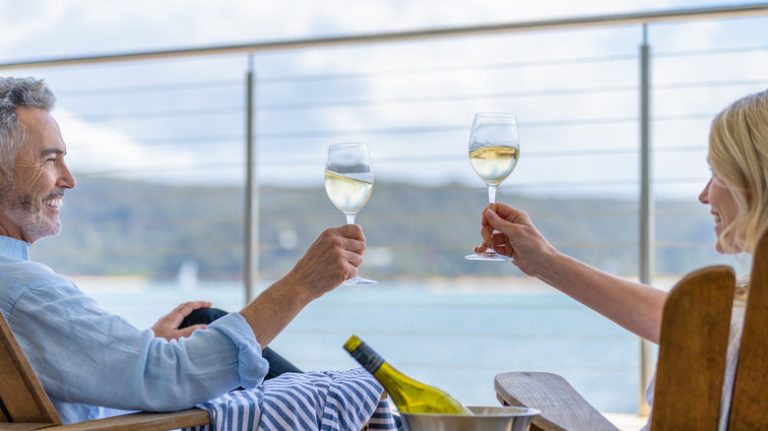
(90, 361)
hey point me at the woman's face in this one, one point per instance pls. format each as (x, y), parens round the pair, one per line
(722, 206)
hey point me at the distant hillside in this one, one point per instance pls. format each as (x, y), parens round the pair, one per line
(130, 227)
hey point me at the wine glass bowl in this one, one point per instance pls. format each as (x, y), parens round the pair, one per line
(349, 183)
(493, 164)
(494, 149)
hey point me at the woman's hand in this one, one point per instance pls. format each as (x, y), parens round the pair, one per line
(510, 232)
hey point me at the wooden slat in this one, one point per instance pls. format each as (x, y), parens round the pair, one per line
(562, 408)
(20, 391)
(27, 426)
(694, 341)
(142, 422)
(749, 407)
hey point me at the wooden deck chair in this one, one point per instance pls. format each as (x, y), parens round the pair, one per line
(25, 406)
(691, 363)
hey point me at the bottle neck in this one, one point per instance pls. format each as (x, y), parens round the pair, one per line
(368, 358)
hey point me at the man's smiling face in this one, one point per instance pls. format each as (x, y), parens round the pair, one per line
(32, 195)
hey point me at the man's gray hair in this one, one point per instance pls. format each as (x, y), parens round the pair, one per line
(16, 93)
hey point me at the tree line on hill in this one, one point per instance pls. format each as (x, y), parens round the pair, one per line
(121, 227)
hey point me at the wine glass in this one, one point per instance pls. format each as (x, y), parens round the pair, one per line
(348, 183)
(494, 147)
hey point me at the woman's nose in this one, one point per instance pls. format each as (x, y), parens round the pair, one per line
(704, 195)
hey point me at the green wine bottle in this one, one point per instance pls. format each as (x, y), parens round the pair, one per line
(409, 395)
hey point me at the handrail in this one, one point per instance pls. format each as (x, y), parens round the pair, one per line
(686, 14)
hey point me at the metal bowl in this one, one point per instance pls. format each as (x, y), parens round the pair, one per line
(484, 419)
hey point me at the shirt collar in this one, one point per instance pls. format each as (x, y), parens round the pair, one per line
(14, 248)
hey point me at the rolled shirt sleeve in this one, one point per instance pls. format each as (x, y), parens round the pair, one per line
(85, 355)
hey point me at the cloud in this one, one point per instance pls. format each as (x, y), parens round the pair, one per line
(37, 28)
(99, 149)
(442, 69)
(21, 21)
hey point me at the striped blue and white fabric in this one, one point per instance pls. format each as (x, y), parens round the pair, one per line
(321, 400)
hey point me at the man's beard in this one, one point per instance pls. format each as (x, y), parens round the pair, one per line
(20, 209)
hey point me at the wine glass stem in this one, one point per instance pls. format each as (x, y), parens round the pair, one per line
(350, 218)
(492, 200)
(492, 193)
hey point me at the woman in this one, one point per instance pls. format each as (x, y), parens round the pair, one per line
(737, 194)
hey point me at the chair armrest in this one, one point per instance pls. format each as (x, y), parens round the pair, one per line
(143, 421)
(562, 408)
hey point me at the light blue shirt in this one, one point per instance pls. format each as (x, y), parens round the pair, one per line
(91, 362)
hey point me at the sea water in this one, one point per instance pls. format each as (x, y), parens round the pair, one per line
(456, 336)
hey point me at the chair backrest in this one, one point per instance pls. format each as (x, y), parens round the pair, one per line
(693, 350)
(22, 398)
(749, 408)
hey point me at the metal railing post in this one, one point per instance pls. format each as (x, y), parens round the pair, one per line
(251, 191)
(646, 206)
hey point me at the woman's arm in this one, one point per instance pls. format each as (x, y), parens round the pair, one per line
(634, 306)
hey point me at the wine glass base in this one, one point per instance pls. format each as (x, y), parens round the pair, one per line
(359, 281)
(488, 256)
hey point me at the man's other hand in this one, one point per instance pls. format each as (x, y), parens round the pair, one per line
(168, 326)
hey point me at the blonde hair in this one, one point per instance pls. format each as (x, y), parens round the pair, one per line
(738, 154)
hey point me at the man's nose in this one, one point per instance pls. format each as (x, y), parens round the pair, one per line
(66, 178)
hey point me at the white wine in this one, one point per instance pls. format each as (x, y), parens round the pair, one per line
(494, 163)
(347, 193)
(409, 395)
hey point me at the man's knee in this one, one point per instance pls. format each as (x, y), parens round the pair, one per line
(202, 316)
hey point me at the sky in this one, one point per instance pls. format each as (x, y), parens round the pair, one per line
(574, 91)
(43, 28)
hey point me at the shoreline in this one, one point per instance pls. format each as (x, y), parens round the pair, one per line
(463, 284)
